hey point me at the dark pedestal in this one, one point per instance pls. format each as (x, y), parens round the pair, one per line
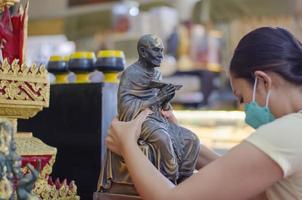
(76, 123)
(108, 196)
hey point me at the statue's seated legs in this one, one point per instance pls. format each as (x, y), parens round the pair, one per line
(172, 149)
(161, 152)
(188, 146)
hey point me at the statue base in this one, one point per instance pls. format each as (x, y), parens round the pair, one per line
(110, 196)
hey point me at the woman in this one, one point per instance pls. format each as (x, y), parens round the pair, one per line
(266, 76)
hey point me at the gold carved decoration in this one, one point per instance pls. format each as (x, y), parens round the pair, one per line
(7, 3)
(28, 145)
(59, 191)
(24, 90)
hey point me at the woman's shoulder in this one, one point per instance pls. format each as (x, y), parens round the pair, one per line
(285, 129)
(282, 141)
(290, 122)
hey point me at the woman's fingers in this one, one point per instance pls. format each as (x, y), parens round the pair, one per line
(114, 122)
(112, 145)
(169, 115)
(139, 120)
(112, 140)
(121, 133)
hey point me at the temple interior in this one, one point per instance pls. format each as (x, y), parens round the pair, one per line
(60, 92)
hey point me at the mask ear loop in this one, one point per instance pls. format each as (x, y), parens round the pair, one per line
(267, 98)
(254, 90)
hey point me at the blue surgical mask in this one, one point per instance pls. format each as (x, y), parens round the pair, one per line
(256, 115)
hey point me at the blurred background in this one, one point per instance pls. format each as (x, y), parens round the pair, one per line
(70, 37)
(199, 37)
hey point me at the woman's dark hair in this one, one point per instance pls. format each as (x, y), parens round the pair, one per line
(268, 49)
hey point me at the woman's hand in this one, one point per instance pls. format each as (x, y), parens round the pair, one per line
(169, 115)
(122, 134)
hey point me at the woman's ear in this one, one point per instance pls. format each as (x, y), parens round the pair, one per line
(264, 78)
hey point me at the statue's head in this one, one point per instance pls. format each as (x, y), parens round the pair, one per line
(150, 50)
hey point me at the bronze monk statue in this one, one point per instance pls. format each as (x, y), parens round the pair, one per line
(171, 148)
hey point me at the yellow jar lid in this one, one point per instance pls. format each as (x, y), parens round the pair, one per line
(56, 58)
(110, 53)
(66, 58)
(90, 55)
(82, 54)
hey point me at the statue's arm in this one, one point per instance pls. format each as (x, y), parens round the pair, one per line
(129, 99)
(165, 94)
(150, 102)
(205, 157)
(158, 101)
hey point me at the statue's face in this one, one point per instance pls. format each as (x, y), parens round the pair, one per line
(153, 54)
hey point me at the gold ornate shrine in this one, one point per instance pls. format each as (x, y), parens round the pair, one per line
(24, 91)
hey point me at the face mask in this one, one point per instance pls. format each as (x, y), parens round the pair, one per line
(256, 115)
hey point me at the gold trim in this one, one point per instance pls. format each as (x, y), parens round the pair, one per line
(15, 71)
(18, 111)
(7, 3)
(28, 146)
